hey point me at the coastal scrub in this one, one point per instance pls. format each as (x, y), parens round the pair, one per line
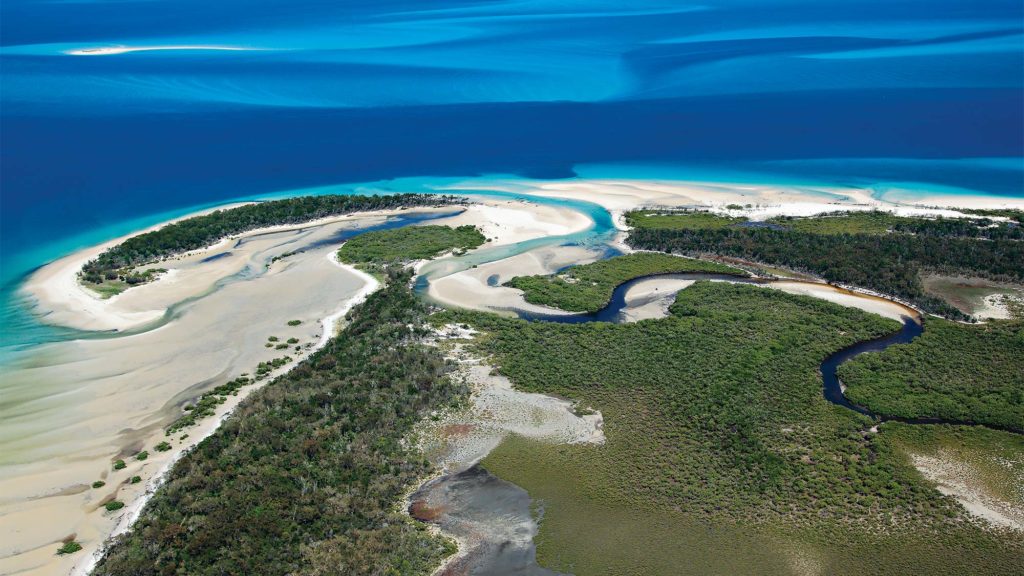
(589, 287)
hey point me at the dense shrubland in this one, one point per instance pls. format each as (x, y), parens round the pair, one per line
(952, 371)
(589, 287)
(307, 476)
(851, 249)
(387, 247)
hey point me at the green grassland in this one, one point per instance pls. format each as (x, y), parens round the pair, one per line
(952, 371)
(384, 247)
(722, 456)
(589, 287)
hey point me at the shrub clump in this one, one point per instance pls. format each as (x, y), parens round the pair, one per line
(69, 548)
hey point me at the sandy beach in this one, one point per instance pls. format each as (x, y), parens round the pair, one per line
(758, 201)
(72, 408)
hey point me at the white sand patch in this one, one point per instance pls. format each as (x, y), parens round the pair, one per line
(999, 306)
(959, 479)
(458, 440)
(480, 288)
(509, 221)
(758, 201)
(651, 298)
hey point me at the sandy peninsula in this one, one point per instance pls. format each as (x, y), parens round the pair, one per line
(74, 407)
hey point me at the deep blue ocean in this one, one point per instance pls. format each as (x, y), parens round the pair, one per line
(329, 92)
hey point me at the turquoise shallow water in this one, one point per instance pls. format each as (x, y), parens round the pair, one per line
(19, 329)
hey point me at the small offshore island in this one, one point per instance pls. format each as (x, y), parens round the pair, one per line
(507, 384)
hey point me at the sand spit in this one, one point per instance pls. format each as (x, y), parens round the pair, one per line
(72, 408)
(505, 222)
(62, 300)
(958, 478)
(758, 201)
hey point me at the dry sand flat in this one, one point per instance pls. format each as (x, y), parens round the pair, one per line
(766, 201)
(71, 408)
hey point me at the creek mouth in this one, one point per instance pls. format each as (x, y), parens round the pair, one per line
(491, 518)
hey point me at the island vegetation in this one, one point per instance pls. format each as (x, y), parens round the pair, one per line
(118, 267)
(876, 251)
(69, 548)
(307, 476)
(967, 373)
(387, 247)
(718, 434)
(589, 287)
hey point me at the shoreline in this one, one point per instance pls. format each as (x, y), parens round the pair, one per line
(134, 509)
(505, 222)
(34, 492)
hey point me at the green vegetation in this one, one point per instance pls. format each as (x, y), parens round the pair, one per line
(120, 262)
(717, 433)
(142, 455)
(876, 222)
(69, 548)
(589, 287)
(1016, 215)
(890, 263)
(679, 220)
(135, 480)
(293, 340)
(385, 247)
(99, 484)
(162, 447)
(207, 404)
(952, 371)
(273, 338)
(306, 478)
(294, 322)
(113, 505)
(264, 368)
(119, 465)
